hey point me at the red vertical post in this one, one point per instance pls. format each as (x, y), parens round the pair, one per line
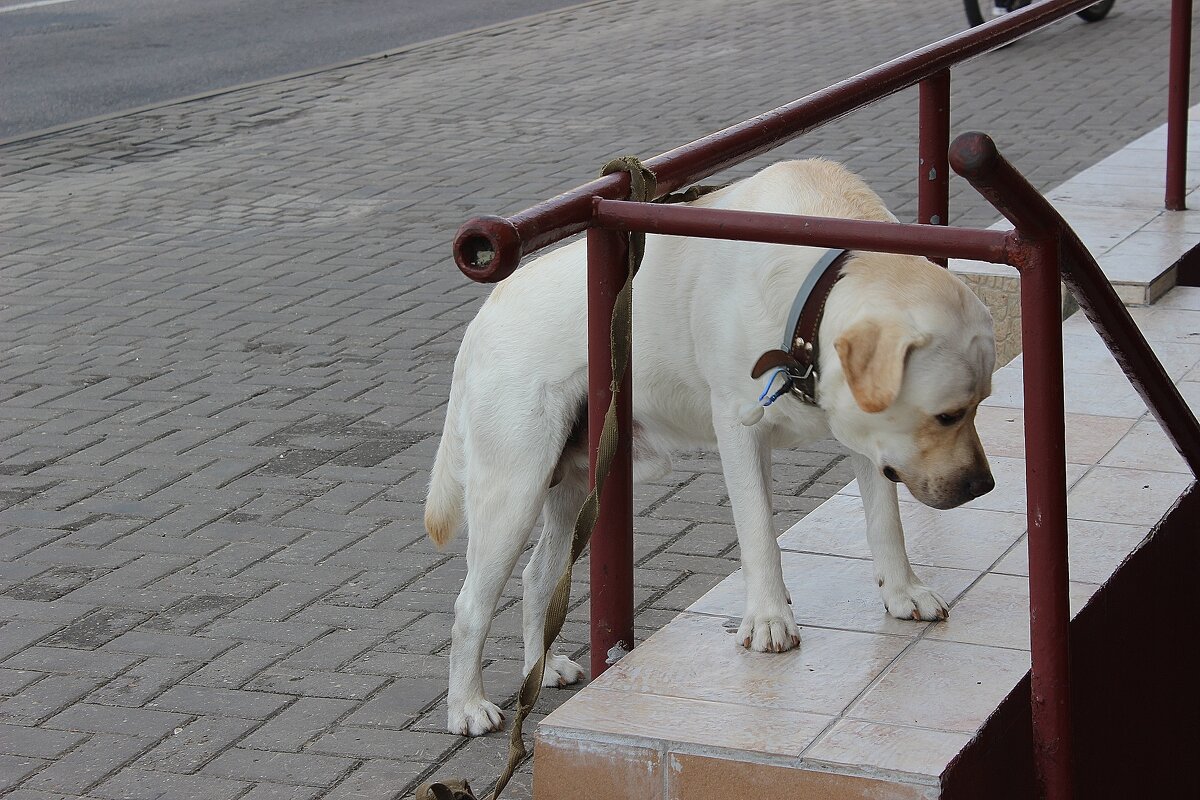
(612, 542)
(933, 181)
(1177, 103)
(1046, 482)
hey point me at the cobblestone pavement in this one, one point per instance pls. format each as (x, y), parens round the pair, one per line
(228, 326)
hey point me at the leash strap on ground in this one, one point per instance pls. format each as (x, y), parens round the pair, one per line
(642, 189)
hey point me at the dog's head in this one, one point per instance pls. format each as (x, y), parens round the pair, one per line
(916, 353)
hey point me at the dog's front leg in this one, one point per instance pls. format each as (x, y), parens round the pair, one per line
(767, 622)
(904, 595)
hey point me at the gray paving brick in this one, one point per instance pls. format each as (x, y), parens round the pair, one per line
(379, 743)
(295, 633)
(88, 764)
(92, 718)
(141, 784)
(16, 635)
(21, 740)
(300, 769)
(46, 698)
(71, 662)
(317, 684)
(298, 724)
(13, 769)
(201, 700)
(142, 682)
(189, 747)
(13, 681)
(377, 779)
(398, 704)
(279, 791)
(168, 645)
(95, 629)
(280, 603)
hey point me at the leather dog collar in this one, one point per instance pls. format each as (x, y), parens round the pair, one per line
(798, 354)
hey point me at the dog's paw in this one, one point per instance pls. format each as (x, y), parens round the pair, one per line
(914, 601)
(768, 632)
(475, 718)
(561, 671)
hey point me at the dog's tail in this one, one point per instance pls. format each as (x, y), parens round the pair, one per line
(444, 503)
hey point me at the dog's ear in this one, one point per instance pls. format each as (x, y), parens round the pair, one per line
(873, 355)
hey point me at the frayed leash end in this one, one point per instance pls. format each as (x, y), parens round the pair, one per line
(449, 789)
(751, 413)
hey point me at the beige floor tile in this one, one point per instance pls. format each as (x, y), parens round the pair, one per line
(698, 657)
(944, 685)
(960, 538)
(1103, 227)
(756, 729)
(835, 592)
(995, 612)
(872, 746)
(1089, 438)
(1145, 446)
(1190, 391)
(1085, 393)
(1077, 192)
(1108, 494)
(1094, 550)
(1184, 297)
(1175, 222)
(1139, 156)
(1167, 324)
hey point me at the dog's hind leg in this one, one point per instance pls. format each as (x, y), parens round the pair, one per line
(546, 566)
(502, 506)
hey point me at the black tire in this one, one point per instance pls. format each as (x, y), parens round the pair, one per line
(1097, 12)
(975, 9)
(974, 17)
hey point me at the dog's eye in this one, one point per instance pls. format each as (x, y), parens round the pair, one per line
(949, 419)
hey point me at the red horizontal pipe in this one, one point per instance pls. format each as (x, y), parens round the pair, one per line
(757, 226)
(974, 156)
(489, 248)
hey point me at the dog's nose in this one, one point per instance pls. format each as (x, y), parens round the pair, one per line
(981, 485)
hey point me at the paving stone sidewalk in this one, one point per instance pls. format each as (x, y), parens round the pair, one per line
(228, 328)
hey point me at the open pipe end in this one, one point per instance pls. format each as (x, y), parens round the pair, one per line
(974, 156)
(487, 249)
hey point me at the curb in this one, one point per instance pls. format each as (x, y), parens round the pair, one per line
(492, 29)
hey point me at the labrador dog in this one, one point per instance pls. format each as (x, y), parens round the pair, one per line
(912, 356)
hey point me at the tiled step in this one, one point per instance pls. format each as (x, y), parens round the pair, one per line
(870, 706)
(1116, 207)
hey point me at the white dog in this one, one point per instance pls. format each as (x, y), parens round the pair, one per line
(912, 356)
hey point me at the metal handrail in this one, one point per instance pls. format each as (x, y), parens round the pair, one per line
(1042, 247)
(488, 248)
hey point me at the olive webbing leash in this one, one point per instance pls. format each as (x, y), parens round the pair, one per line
(642, 189)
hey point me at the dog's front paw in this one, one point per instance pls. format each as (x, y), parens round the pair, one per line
(561, 671)
(475, 718)
(769, 631)
(914, 601)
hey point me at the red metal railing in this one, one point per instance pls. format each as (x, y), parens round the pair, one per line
(1042, 246)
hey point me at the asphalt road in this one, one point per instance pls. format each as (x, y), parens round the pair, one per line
(63, 61)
